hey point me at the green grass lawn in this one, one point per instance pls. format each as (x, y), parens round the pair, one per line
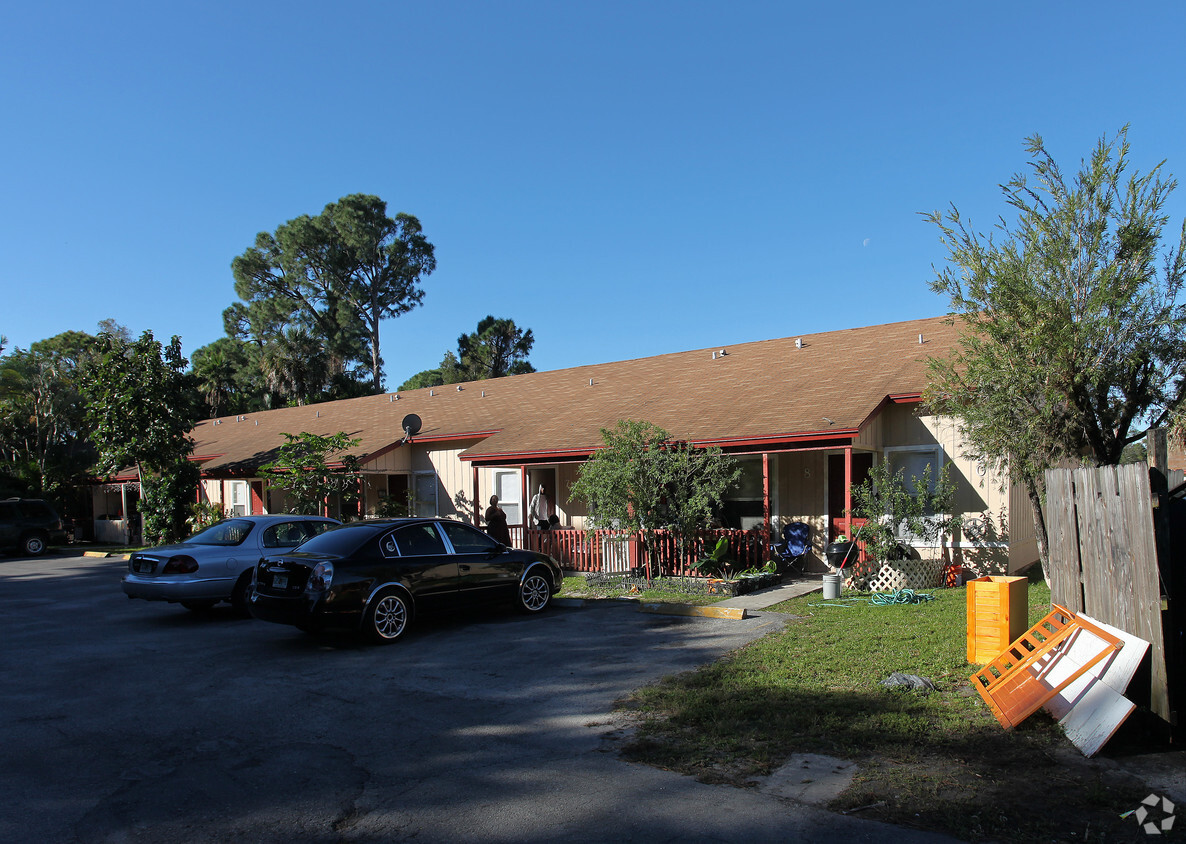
(935, 761)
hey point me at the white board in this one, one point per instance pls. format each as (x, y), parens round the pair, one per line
(1093, 707)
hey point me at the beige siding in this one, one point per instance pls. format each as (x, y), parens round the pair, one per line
(871, 435)
(1023, 538)
(454, 478)
(393, 462)
(980, 494)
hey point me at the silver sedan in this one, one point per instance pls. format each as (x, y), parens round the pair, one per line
(215, 564)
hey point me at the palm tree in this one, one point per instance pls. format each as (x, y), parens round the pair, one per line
(295, 365)
(215, 372)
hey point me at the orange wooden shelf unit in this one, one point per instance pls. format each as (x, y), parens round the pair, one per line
(1017, 683)
(998, 614)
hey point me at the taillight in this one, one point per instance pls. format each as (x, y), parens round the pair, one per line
(180, 565)
(321, 578)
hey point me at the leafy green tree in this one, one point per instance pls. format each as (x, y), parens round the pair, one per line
(337, 275)
(312, 468)
(140, 411)
(894, 507)
(1072, 323)
(43, 439)
(497, 348)
(642, 481)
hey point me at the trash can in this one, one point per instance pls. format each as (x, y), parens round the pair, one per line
(998, 614)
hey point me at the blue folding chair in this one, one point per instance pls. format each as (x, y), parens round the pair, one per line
(791, 551)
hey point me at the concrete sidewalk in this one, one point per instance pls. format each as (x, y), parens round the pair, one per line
(801, 585)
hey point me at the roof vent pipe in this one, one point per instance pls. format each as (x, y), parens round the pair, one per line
(798, 342)
(459, 388)
(483, 394)
(920, 339)
(432, 392)
(590, 382)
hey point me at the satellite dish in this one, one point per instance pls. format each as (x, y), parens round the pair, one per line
(411, 425)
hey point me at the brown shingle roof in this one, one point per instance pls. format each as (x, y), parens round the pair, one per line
(755, 391)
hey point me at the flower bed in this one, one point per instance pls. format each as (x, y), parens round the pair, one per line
(691, 585)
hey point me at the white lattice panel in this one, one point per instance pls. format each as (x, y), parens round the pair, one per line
(907, 574)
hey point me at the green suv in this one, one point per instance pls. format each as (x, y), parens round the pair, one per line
(29, 525)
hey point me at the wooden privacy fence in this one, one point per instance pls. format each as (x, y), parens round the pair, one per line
(1104, 560)
(617, 551)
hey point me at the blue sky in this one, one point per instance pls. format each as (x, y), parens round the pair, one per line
(626, 179)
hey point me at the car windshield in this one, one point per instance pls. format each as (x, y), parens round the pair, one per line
(337, 542)
(231, 532)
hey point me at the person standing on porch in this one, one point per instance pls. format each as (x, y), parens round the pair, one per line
(539, 509)
(496, 522)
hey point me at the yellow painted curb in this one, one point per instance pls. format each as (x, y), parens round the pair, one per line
(732, 613)
(94, 553)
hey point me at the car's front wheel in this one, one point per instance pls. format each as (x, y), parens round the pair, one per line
(535, 593)
(33, 545)
(387, 618)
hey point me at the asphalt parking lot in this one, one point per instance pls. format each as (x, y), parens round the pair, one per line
(126, 721)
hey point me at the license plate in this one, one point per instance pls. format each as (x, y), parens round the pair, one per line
(279, 581)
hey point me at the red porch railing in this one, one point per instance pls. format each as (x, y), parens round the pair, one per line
(617, 551)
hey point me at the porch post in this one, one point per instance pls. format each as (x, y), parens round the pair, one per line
(477, 500)
(848, 489)
(765, 500)
(523, 500)
(123, 501)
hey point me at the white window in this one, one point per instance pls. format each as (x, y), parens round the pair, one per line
(509, 490)
(426, 494)
(743, 505)
(912, 462)
(238, 496)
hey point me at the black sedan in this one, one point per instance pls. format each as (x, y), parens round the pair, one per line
(376, 575)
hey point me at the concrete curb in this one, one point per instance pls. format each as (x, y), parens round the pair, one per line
(106, 555)
(569, 602)
(711, 611)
